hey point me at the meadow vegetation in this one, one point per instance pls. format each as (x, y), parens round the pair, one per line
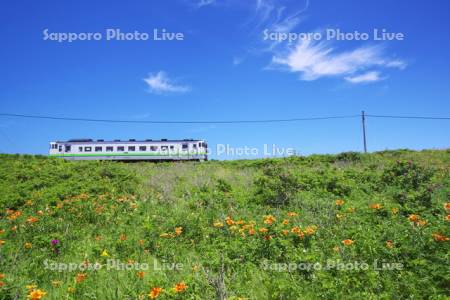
(346, 226)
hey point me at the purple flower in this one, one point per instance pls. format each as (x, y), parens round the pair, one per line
(54, 242)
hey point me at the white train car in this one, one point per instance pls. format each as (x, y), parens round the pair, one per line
(131, 150)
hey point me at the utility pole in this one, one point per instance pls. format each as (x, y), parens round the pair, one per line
(363, 119)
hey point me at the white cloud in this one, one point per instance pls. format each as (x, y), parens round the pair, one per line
(278, 18)
(371, 76)
(160, 83)
(202, 3)
(314, 60)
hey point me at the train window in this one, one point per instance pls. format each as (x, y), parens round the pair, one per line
(142, 148)
(172, 147)
(185, 146)
(131, 148)
(67, 148)
(59, 148)
(153, 148)
(87, 149)
(120, 148)
(80, 149)
(109, 149)
(194, 146)
(164, 148)
(98, 149)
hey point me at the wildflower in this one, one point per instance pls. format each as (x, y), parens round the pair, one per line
(98, 238)
(351, 209)
(336, 248)
(2, 231)
(55, 242)
(36, 294)
(165, 235)
(421, 222)
(2, 242)
(32, 220)
(394, 210)
(240, 222)
(310, 230)
(218, 224)
(269, 219)
(339, 202)
(28, 245)
(339, 216)
(12, 215)
(71, 289)
(233, 228)
(196, 268)
(389, 244)
(376, 206)
(155, 292)
(440, 238)
(140, 274)
(141, 242)
(263, 230)
(447, 218)
(14, 228)
(180, 287)
(2, 284)
(131, 261)
(31, 287)
(2, 275)
(296, 230)
(285, 232)
(447, 206)
(229, 221)
(81, 277)
(251, 231)
(122, 237)
(178, 230)
(40, 212)
(56, 283)
(347, 242)
(285, 222)
(104, 253)
(413, 218)
(292, 214)
(29, 202)
(268, 237)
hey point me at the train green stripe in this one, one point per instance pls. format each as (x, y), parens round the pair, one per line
(125, 154)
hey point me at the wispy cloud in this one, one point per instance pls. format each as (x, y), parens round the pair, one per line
(313, 60)
(160, 83)
(371, 76)
(201, 3)
(279, 18)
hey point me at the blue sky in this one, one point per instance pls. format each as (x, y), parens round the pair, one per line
(223, 69)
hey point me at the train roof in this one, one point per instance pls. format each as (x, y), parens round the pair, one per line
(127, 141)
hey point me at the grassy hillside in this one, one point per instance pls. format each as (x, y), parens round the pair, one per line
(345, 226)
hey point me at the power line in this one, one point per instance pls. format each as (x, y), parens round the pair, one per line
(176, 122)
(408, 117)
(218, 121)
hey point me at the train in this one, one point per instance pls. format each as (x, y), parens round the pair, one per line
(130, 150)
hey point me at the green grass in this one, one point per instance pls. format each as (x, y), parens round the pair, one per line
(130, 211)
